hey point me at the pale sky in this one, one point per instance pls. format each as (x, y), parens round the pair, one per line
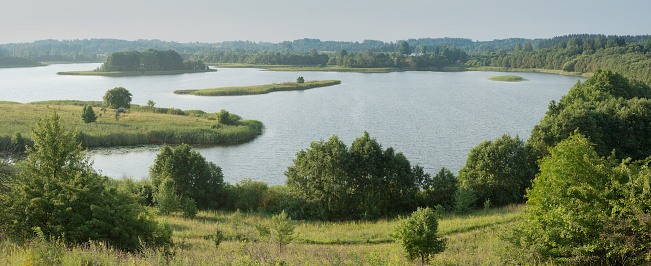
(336, 20)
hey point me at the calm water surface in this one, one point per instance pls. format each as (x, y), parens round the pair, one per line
(434, 118)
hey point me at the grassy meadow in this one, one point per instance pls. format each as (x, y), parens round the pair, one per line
(472, 239)
(132, 73)
(508, 78)
(260, 89)
(140, 125)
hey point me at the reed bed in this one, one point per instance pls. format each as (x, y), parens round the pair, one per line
(260, 89)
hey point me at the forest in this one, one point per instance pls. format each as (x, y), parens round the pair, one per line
(150, 60)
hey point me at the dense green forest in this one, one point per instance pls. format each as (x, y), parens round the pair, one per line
(150, 60)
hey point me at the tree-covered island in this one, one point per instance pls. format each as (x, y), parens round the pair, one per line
(150, 62)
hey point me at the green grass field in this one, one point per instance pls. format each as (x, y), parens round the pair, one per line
(132, 73)
(140, 125)
(509, 78)
(471, 240)
(260, 89)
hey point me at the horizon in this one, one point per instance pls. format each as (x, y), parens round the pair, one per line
(207, 21)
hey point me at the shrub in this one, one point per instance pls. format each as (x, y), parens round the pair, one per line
(586, 209)
(189, 208)
(300, 80)
(88, 115)
(59, 192)
(417, 235)
(465, 200)
(282, 230)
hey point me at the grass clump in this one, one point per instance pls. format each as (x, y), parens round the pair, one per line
(260, 89)
(510, 78)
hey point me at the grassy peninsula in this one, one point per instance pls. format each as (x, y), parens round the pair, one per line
(260, 89)
(509, 78)
(140, 125)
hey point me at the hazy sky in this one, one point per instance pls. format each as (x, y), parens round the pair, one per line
(339, 20)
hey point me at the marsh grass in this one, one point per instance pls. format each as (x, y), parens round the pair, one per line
(509, 78)
(260, 89)
(473, 239)
(138, 126)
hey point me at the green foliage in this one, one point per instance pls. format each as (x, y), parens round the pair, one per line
(282, 230)
(588, 209)
(499, 170)
(59, 193)
(117, 97)
(149, 60)
(331, 182)
(189, 207)
(193, 176)
(418, 237)
(251, 195)
(166, 198)
(300, 80)
(224, 117)
(404, 48)
(464, 200)
(439, 190)
(88, 115)
(612, 111)
(151, 104)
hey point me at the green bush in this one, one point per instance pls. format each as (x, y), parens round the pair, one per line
(417, 235)
(117, 97)
(586, 209)
(88, 115)
(499, 170)
(464, 200)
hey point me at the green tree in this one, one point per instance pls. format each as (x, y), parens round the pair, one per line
(166, 198)
(224, 117)
(151, 104)
(418, 237)
(300, 80)
(88, 115)
(282, 230)
(117, 97)
(499, 170)
(193, 176)
(404, 48)
(58, 192)
(587, 209)
(331, 182)
(439, 190)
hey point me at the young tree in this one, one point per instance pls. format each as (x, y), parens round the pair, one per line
(224, 117)
(499, 170)
(151, 104)
(300, 80)
(282, 230)
(88, 115)
(417, 235)
(58, 192)
(117, 97)
(193, 176)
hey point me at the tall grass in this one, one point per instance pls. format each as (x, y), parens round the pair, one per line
(141, 125)
(260, 89)
(473, 239)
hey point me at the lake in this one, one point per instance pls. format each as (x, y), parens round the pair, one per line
(434, 118)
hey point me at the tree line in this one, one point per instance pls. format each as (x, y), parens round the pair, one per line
(150, 60)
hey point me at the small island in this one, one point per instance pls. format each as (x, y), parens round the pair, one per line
(150, 62)
(260, 89)
(509, 78)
